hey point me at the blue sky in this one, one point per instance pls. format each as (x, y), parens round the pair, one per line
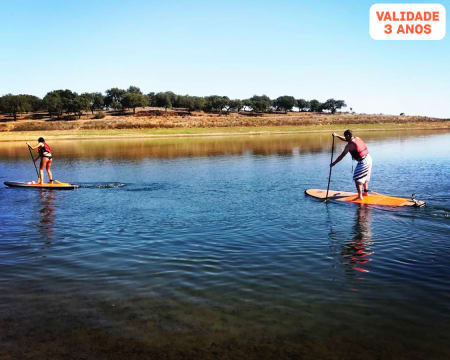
(307, 49)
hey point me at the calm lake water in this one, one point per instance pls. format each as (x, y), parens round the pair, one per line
(208, 248)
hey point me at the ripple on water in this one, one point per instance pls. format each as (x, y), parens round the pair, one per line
(101, 185)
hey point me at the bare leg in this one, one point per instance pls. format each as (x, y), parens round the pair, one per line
(359, 189)
(366, 188)
(41, 170)
(49, 172)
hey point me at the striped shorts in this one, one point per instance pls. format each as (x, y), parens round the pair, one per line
(363, 170)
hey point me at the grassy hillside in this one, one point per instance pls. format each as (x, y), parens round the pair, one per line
(152, 121)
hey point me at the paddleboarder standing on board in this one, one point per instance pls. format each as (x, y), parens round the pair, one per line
(359, 151)
(45, 154)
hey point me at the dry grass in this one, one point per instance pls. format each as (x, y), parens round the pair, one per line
(154, 121)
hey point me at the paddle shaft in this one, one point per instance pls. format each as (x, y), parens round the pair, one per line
(329, 175)
(32, 159)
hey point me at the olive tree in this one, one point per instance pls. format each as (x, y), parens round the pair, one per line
(284, 103)
(302, 104)
(163, 99)
(260, 103)
(133, 100)
(315, 106)
(53, 103)
(235, 105)
(14, 104)
(97, 101)
(114, 98)
(191, 103)
(332, 105)
(215, 103)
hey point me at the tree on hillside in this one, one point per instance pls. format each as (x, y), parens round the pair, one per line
(134, 89)
(68, 97)
(97, 101)
(260, 103)
(235, 105)
(210, 103)
(151, 99)
(53, 103)
(333, 105)
(113, 98)
(315, 106)
(58, 102)
(183, 101)
(14, 104)
(284, 103)
(81, 103)
(3, 104)
(302, 104)
(191, 103)
(162, 99)
(90, 99)
(196, 103)
(246, 104)
(215, 103)
(172, 97)
(178, 101)
(133, 100)
(35, 102)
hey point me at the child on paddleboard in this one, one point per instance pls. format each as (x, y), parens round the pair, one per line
(45, 154)
(359, 151)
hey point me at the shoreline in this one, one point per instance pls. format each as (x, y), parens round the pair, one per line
(158, 133)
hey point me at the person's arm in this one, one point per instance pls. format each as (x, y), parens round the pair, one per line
(35, 147)
(339, 137)
(340, 157)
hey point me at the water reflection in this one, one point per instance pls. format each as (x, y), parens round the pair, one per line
(142, 148)
(47, 216)
(356, 252)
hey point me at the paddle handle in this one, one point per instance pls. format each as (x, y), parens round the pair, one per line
(329, 175)
(32, 159)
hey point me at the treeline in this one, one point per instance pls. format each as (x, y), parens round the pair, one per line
(59, 102)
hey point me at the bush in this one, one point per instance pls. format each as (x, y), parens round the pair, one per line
(43, 126)
(99, 115)
(32, 126)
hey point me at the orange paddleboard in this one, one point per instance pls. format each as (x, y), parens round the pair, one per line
(372, 198)
(54, 186)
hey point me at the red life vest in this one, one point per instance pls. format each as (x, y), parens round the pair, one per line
(44, 149)
(361, 149)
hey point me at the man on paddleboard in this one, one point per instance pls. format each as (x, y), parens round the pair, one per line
(359, 151)
(45, 154)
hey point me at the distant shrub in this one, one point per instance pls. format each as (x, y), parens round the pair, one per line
(32, 126)
(44, 126)
(99, 115)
